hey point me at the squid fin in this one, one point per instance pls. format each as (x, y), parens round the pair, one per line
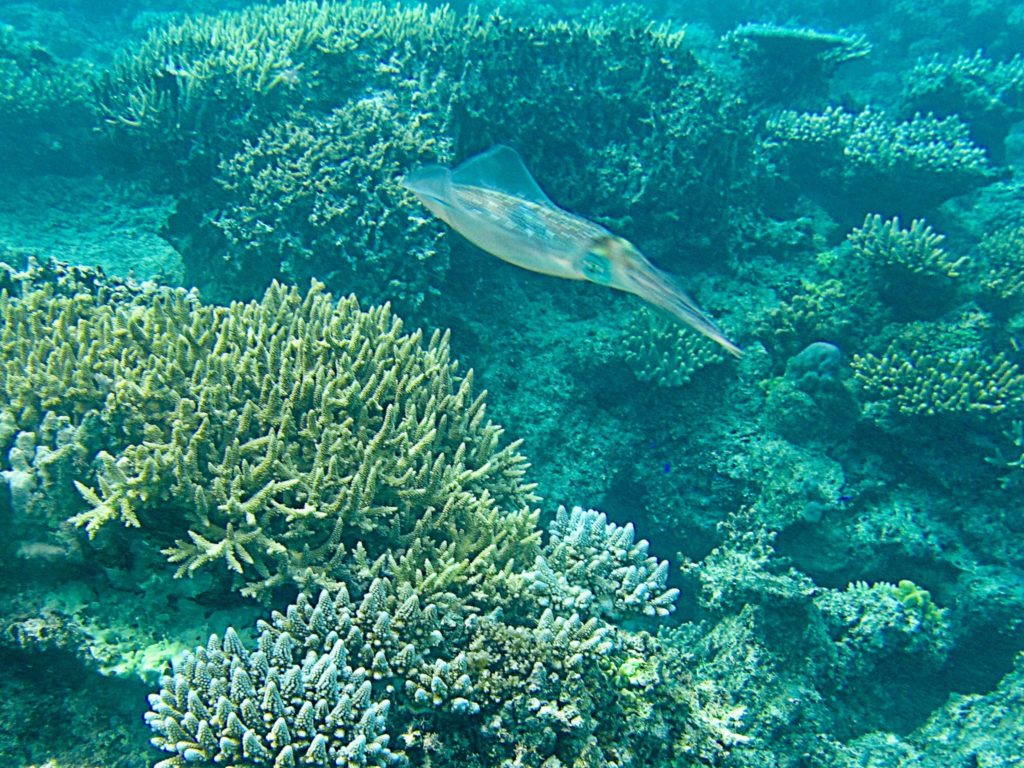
(502, 170)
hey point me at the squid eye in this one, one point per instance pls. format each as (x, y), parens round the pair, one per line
(595, 267)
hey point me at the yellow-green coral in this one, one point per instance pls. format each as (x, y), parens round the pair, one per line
(819, 309)
(917, 600)
(264, 438)
(661, 352)
(917, 250)
(909, 383)
(1001, 265)
(251, 65)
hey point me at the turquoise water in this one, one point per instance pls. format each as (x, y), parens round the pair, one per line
(297, 472)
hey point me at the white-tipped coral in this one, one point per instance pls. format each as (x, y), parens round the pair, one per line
(597, 567)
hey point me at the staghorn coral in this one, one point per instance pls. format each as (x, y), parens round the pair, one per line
(867, 160)
(312, 194)
(659, 351)
(261, 436)
(907, 383)
(596, 567)
(988, 95)
(253, 65)
(787, 63)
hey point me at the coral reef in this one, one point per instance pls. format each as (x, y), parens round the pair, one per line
(988, 95)
(596, 567)
(999, 275)
(857, 162)
(659, 351)
(238, 431)
(784, 65)
(44, 105)
(907, 383)
(845, 498)
(466, 628)
(311, 193)
(909, 267)
(307, 122)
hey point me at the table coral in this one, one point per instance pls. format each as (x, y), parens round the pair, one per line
(787, 63)
(870, 159)
(988, 95)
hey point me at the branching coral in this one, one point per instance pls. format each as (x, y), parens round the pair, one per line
(221, 91)
(159, 98)
(659, 351)
(909, 267)
(868, 160)
(1000, 268)
(914, 251)
(788, 62)
(314, 194)
(596, 567)
(360, 681)
(816, 310)
(902, 382)
(264, 435)
(988, 95)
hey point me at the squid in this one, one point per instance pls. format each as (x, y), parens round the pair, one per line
(493, 201)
